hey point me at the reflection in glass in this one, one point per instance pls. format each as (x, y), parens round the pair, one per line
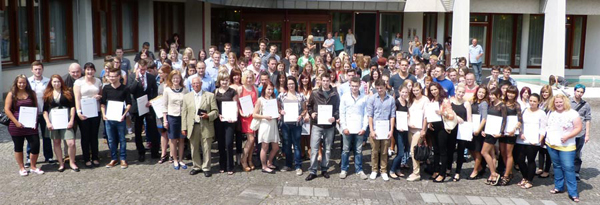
(577, 34)
(391, 24)
(479, 32)
(127, 25)
(253, 31)
(298, 29)
(23, 39)
(58, 28)
(502, 39)
(274, 32)
(114, 32)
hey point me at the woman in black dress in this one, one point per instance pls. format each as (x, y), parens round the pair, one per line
(496, 109)
(225, 128)
(507, 142)
(479, 106)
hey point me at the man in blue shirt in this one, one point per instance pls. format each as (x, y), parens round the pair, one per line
(353, 117)
(380, 107)
(345, 87)
(207, 82)
(475, 57)
(439, 76)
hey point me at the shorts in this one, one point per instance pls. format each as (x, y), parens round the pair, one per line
(477, 143)
(490, 139)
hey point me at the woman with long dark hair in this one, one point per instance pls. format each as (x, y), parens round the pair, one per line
(528, 144)
(437, 95)
(507, 142)
(479, 108)
(496, 109)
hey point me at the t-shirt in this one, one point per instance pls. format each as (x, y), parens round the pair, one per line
(447, 85)
(120, 94)
(473, 52)
(330, 41)
(396, 80)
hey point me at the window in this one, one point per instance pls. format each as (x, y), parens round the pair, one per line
(114, 24)
(225, 28)
(429, 26)
(169, 20)
(390, 26)
(536, 40)
(503, 38)
(574, 41)
(36, 30)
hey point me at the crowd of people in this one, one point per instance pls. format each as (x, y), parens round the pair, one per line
(400, 106)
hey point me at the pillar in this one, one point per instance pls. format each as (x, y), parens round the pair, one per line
(84, 51)
(193, 24)
(1, 83)
(524, 45)
(553, 53)
(460, 29)
(146, 24)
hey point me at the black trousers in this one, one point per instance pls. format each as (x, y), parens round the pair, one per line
(224, 132)
(544, 160)
(525, 158)
(440, 148)
(89, 138)
(151, 134)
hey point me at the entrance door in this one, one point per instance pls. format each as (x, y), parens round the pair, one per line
(256, 29)
(365, 25)
(299, 31)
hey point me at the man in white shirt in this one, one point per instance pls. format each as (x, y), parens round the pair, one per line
(353, 123)
(226, 50)
(39, 83)
(420, 74)
(213, 69)
(328, 44)
(475, 57)
(210, 61)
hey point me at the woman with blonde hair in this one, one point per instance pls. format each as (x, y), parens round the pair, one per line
(247, 89)
(173, 102)
(231, 62)
(544, 161)
(176, 64)
(163, 74)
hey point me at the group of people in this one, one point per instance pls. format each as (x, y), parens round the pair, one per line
(299, 103)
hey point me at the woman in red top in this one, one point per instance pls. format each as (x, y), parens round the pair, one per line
(247, 89)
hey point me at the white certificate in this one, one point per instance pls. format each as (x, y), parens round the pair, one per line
(270, 108)
(401, 120)
(416, 119)
(305, 129)
(493, 125)
(430, 114)
(324, 112)
(229, 110)
(532, 133)
(247, 105)
(465, 131)
(89, 107)
(511, 124)
(114, 110)
(291, 112)
(141, 105)
(59, 118)
(382, 129)
(553, 137)
(28, 116)
(476, 121)
(157, 106)
(354, 123)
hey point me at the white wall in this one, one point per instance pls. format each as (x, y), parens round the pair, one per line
(553, 52)
(505, 6)
(592, 43)
(412, 21)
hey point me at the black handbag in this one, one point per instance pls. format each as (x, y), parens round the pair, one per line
(422, 152)
(4, 119)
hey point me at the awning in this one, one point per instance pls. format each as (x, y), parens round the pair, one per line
(427, 6)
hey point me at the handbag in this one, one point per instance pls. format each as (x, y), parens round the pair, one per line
(422, 152)
(4, 120)
(255, 124)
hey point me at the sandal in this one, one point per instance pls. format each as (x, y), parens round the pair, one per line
(574, 199)
(544, 175)
(488, 182)
(162, 160)
(456, 178)
(393, 175)
(556, 191)
(471, 177)
(183, 165)
(229, 173)
(522, 182)
(61, 169)
(496, 180)
(527, 185)
(88, 164)
(539, 171)
(435, 175)
(439, 181)
(23, 173)
(504, 181)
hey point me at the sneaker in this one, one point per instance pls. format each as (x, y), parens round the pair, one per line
(362, 175)
(28, 163)
(390, 152)
(124, 164)
(112, 164)
(37, 171)
(23, 173)
(385, 177)
(285, 169)
(298, 172)
(413, 178)
(343, 174)
(373, 175)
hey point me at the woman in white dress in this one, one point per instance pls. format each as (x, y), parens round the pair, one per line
(268, 133)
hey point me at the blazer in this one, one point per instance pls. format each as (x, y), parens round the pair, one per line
(188, 112)
(136, 90)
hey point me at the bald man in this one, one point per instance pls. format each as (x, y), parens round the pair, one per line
(73, 75)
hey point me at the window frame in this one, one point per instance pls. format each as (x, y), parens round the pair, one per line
(105, 6)
(46, 31)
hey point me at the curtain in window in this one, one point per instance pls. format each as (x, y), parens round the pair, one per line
(5, 36)
(577, 34)
(127, 24)
(502, 39)
(58, 28)
(536, 40)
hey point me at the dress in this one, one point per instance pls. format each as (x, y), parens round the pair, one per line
(498, 110)
(481, 110)
(268, 130)
(12, 129)
(247, 120)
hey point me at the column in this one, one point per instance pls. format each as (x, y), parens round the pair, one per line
(146, 23)
(460, 29)
(5, 88)
(193, 24)
(553, 53)
(206, 30)
(84, 51)
(524, 45)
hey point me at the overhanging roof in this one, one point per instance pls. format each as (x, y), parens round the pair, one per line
(354, 5)
(424, 6)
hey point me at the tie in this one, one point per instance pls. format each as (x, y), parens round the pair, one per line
(142, 81)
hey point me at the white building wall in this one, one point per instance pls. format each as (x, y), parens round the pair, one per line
(412, 21)
(553, 53)
(592, 43)
(505, 6)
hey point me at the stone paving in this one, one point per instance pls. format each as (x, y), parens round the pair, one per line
(150, 183)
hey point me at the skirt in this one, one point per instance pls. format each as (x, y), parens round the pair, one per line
(268, 131)
(174, 131)
(63, 134)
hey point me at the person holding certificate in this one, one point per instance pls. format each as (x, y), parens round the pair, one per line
(495, 125)
(163, 74)
(143, 84)
(247, 89)
(528, 144)
(479, 107)
(462, 111)
(353, 123)
(514, 121)
(87, 92)
(401, 134)
(225, 127)
(437, 96)
(115, 92)
(294, 102)
(544, 161)
(21, 95)
(416, 126)
(325, 98)
(268, 133)
(172, 116)
(562, 127)
(305, 87)
(380, 108)
(58, 97)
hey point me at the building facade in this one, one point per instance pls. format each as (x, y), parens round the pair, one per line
(557, 35)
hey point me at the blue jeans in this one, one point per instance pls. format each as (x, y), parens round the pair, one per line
(116, 135)
(291, 136)
(400, 138)
(352, 141)
(477, 71)
(564, 169)
(315, 141)
(350, 51)
(579, 142)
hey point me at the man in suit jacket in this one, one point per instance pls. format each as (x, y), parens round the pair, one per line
(198, 112)
(143, 83)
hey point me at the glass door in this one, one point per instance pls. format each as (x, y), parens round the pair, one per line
(298, 36)
(269, 31)
(319, 32)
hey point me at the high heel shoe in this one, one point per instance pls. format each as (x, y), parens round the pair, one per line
(439, 181)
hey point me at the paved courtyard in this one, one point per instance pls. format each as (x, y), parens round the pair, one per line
(150, 183)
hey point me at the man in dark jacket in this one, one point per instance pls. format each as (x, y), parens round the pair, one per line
(142, 83)
(325, 102)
